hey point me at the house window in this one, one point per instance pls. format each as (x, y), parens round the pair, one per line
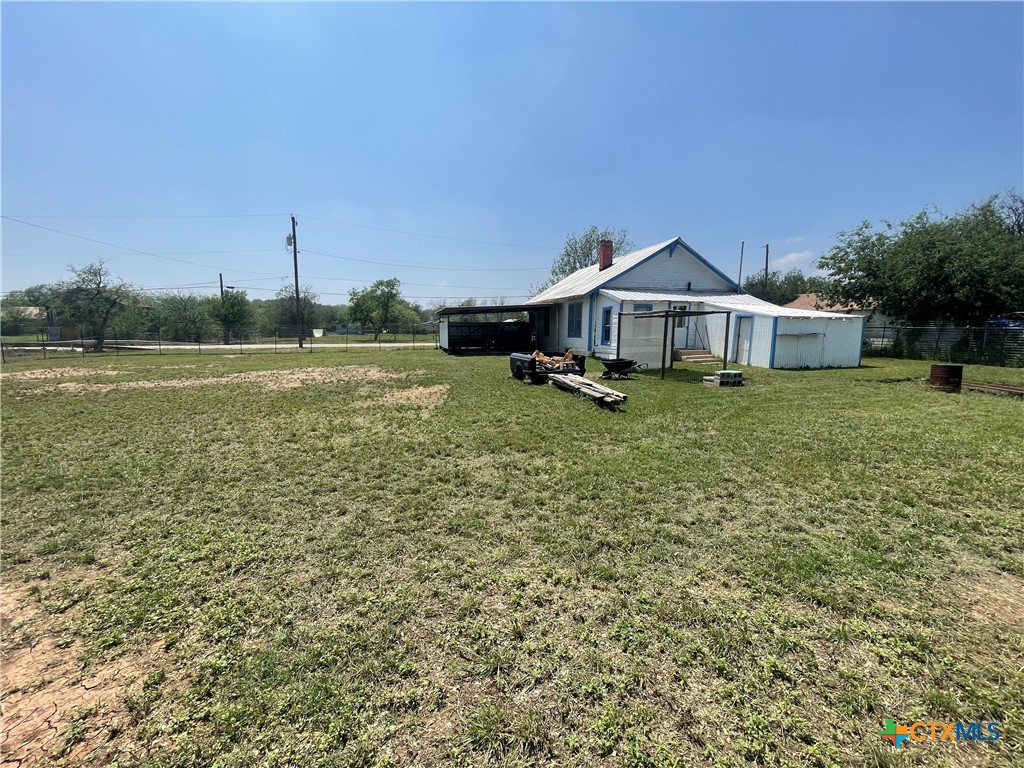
(606, 325)
(643, 307)
(576, 320)
(681, 321)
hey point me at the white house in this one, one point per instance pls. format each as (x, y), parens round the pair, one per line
(592, 310)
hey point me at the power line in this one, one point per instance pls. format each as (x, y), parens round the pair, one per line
(155, 253)
(421, 266)
(183, 216)
(435, 237)
(135, 250)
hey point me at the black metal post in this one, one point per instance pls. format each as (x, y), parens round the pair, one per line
(725, 353)
(81, 335)
(664, 343)
(159, 342)
(117, 349)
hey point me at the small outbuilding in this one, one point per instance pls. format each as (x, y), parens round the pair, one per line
(483, 329)
(604, 310)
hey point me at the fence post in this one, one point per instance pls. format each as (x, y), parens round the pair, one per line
(311, 337)
(117, 349)
(199, 341)
(3, 357)
(81, 336)
(41, 336)
(275, 339)
(240, 343)
(159, 342)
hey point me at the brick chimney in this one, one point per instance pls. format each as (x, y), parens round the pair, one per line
(605, 255)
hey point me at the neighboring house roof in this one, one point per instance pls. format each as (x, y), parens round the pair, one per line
(588, 279)
(738, 302)
(27, 313)
(811, 301)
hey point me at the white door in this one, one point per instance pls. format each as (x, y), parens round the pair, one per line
(742, 350)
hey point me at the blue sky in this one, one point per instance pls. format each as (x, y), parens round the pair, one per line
(506, 124)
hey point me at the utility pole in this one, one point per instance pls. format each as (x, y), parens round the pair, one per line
(298, 301)
(739, 278)
(766, 268)
(221, 276)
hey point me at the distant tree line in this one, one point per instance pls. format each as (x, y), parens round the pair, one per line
(95, 302)
(961, 269)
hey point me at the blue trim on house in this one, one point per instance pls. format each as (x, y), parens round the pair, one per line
(775, 335)
(590, 322)
(606, 310)
(729, 281)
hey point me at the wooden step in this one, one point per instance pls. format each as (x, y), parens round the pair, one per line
(699, 356)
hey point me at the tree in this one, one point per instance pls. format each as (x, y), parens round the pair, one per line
(284, 307)
(182, 317)
(232, 310)
(778, 288)
(581, 250)
(964, 269)
(379, 306)
(91, 300)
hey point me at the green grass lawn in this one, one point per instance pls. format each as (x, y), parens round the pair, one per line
(422, 561)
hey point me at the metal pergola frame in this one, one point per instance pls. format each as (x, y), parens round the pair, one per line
(670, 314)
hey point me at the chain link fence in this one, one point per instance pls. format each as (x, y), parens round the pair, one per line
(63, 342)
(986, 345)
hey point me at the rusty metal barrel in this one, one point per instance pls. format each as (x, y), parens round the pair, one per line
(947, 377)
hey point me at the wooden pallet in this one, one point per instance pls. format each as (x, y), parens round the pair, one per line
(574, 383)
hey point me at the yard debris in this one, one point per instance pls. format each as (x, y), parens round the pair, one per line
(725, 379)
(564, 371)
(538, 366)
(573, 383)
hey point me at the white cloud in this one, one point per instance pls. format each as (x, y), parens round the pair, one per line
(794, 240)
(793, 259)
(442, 284)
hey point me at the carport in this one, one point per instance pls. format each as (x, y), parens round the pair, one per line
(482, 329)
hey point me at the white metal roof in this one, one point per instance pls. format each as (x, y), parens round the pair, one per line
(583, 281)
(740, 302)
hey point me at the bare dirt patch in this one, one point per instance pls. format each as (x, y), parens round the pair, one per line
(53, 705)
(57, 373)
(272, 380)
(999, 598)
(426, 397)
